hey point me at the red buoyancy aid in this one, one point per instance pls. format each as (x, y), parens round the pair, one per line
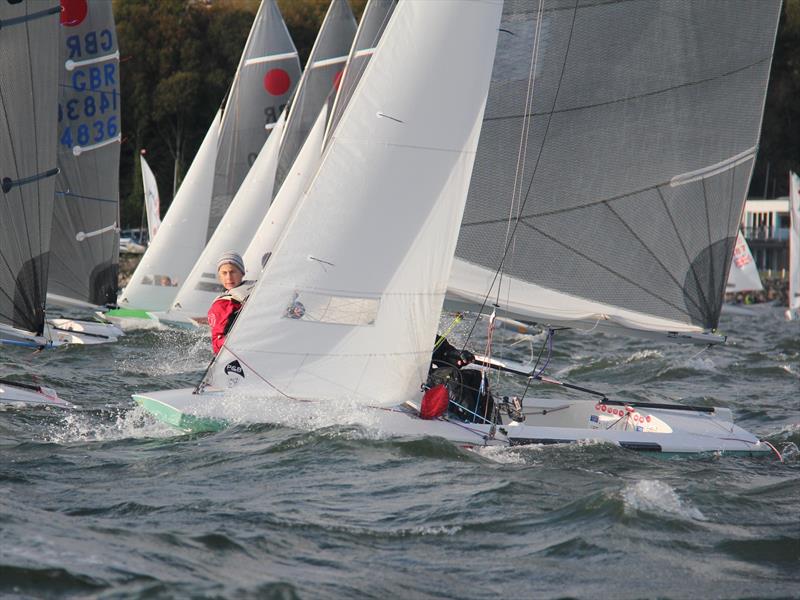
(220, 317)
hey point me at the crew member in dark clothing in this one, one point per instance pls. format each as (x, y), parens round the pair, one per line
(468, 401)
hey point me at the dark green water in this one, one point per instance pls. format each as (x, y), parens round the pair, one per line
(104, 503)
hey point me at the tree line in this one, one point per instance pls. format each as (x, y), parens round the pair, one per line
(178, 58)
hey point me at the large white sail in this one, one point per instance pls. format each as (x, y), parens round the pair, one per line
(348, 305)
(612, 168)
(743, 276)
(794, 246)
(152, 201)
(173, 252)
(28, 128)
(268, 71)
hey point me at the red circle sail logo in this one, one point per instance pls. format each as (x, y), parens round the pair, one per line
(73, 12)
(277, 82)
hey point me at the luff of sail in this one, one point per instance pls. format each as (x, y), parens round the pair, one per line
(273, 65)
(615, 156)
(28, 122)
(85, 241)
(265, 80)
(345, 309)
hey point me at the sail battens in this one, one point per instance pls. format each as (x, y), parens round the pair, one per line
(714, 169)
(78, 150)
(336, 60)
(260, 60)
(71, 65)
(8, 184)
(29, 17)
(81, 236)
(364, 52)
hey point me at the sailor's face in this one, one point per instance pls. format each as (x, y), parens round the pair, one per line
(230, 276)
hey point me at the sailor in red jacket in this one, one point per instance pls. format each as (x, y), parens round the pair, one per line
(226, 306)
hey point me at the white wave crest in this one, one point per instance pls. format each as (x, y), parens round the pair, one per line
(643, 355)
(84, 427)
(657, 497)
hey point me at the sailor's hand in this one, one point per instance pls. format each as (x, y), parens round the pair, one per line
(465, 357)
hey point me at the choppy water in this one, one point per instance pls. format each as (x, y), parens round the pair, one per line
(104, 503)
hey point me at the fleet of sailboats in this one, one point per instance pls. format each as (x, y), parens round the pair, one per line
(536, 170)
(582, 141)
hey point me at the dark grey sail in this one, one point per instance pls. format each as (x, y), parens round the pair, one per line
(321, 75)
(28, 103)
(373, 22)
(86, 216)
(614, 159)
(266, 77)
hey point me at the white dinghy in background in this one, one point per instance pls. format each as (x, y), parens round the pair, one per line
(346, 310)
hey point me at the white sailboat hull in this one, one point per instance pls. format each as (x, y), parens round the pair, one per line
(548, 421)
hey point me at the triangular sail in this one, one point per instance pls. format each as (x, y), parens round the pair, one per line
(323, 71)
(267, 75)
(152, 201)
(743, 276)
(615, 155)
(28, 122)
(85, 242)
(348, 305)
(794, 244)
(181, 237)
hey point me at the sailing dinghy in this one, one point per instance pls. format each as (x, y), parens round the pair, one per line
(606, 192)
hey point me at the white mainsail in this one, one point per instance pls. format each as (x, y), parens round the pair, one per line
(794, 246)
(743, 276)
(264, 81)
(152, 202)
(612, 169)
(349, 303)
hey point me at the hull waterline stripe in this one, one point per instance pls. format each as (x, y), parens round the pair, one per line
(71, 65)
(78, 150)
